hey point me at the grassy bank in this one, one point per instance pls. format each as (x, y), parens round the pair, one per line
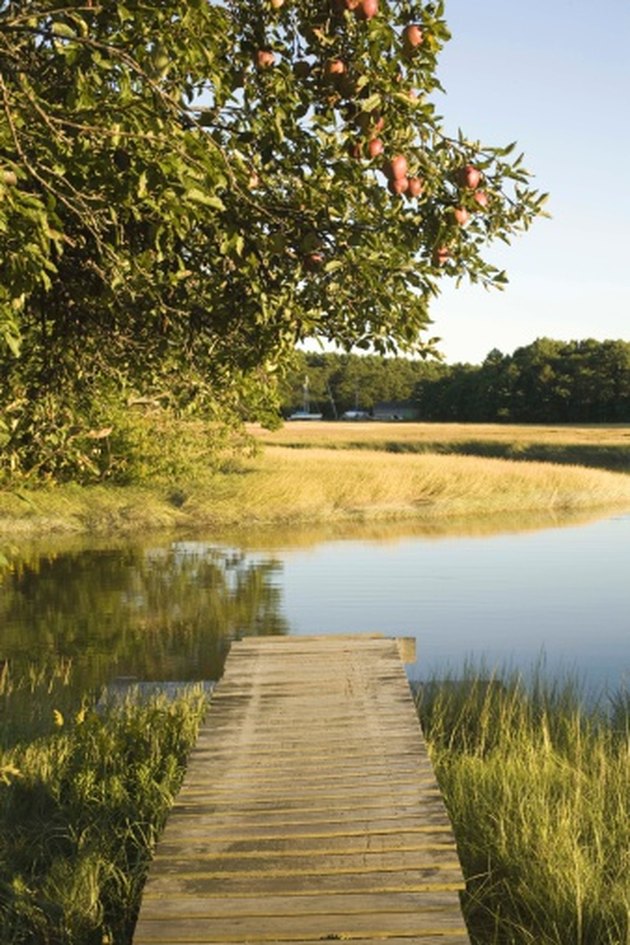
(79, 814)
(287, 486)
(538, 789)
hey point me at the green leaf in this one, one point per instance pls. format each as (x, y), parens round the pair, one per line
(208, 200)
(63, 30)
(371, 103)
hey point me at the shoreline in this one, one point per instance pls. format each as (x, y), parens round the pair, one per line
(285, 487)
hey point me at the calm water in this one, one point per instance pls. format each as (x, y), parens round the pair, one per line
(167, 609)
(506, 599)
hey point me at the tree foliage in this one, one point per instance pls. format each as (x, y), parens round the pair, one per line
(187, 190)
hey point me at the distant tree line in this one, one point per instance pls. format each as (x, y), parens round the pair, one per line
(548, 381)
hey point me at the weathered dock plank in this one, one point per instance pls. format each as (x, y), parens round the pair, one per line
(309, 811)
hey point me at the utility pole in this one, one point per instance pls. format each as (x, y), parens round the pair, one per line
(332, 400)
(306, 401)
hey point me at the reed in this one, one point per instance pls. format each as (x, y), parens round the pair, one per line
(538, 790)
(29, 696)
(286, 485)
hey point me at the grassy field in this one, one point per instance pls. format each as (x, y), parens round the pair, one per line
(80, 811)
(374, 433)
(347, 473)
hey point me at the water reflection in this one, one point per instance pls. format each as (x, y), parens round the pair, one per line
(499, 523)
(164, 612)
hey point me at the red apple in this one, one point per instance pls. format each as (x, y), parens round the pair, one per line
(352, 4)
(367, 9)
(277, 4)
(264, 58)
(416, 186)
(481, 198)
(313, 262)
(335, 67)
(469, 176)
(375, 147)
(440, 255)
(397, 167)
(253, 181)
(461, 215)
(398, 186)
(412, 36)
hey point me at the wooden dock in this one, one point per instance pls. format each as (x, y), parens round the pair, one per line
(309, 811)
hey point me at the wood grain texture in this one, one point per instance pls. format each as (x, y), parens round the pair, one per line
(309, 811)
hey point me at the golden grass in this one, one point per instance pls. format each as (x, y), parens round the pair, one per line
(68, 509)
(287, 486)
(323, 485)
(375, 434)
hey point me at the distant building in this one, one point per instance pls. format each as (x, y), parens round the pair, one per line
(395, 410)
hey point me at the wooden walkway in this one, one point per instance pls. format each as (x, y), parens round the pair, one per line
(309, 811)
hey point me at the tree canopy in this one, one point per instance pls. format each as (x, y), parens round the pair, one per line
(188, 189)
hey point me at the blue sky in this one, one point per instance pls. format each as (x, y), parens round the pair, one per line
(554, 75)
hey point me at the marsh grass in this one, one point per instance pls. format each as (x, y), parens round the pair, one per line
(30, 695)
(326, 485)
(345, 472)
(320, 485)
(538, 790)
(80, 811)
(598, 445)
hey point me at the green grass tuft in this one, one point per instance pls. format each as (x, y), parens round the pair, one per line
(538, 790)
(80, 812)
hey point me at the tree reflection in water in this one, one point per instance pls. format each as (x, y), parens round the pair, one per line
(72, 621)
